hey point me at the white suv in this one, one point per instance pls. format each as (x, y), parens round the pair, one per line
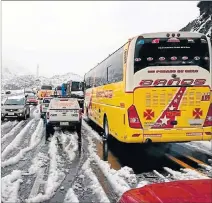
(64, 112)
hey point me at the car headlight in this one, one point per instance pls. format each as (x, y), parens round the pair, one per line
(20, 110)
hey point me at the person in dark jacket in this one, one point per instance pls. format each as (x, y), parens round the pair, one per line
(49, 130)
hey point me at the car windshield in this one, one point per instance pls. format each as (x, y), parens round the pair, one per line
(171, 52)
(14, 101)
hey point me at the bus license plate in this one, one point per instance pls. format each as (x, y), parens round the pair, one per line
(63, 123)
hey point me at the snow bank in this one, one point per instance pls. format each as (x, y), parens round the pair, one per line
(187, 174)
(56, 174)
(71, 197)
(17, 127)
(93, 133)
(35, 140)
(142, 183)
(197, 147)
(8, 124)
(10, 185)
(16, 142)
(72, 146)
(94, 185)
(204, 144)
(117, 179)
(114, 177)
(36, 112)
(40, 160)
(161, 176)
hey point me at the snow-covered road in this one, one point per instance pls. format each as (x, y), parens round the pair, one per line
(67, 169)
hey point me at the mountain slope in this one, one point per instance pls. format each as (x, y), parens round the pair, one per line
(12, 81)
(203, 24)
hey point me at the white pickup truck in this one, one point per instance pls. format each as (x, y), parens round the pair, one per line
(64, 112)
(44, 106)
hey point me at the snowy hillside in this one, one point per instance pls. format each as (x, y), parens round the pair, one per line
(203, 23)
(13, 81)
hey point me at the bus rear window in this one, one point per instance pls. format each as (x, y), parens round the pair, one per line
(171, 52)
(46, 87)
(75, 86)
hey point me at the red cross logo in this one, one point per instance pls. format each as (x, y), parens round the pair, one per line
(149, 114)
(197, 112)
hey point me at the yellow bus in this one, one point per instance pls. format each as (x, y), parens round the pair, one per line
(155, 88)
(45, 91)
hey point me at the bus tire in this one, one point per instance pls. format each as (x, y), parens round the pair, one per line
(106, 129)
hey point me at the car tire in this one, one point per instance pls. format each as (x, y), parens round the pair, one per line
(28, 116)
(79, 128)
(25, 116)
(2, 119)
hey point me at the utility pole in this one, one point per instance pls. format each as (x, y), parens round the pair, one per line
(37, 75)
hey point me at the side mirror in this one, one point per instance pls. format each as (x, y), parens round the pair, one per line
(26, 95)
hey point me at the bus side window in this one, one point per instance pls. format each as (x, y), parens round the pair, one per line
(98, 75)
(92, 75)
(102, 73)
(115, 71)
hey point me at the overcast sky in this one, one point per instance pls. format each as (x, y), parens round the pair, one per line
(73, 36)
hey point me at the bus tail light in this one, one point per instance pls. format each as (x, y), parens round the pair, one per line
(208, 119)
(134, 121)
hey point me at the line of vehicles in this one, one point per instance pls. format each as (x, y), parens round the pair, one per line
(154, 88)
(157, 87)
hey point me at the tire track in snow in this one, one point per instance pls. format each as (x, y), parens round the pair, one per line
(7, 127)
(33, 178)
(17, 141)
(56, 173)
(7, 139)
(10, 185)
(34, 141)
(69, 149)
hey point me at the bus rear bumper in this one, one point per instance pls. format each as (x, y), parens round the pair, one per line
(167, 135)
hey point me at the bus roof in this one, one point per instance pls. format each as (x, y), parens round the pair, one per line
(163, 34)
